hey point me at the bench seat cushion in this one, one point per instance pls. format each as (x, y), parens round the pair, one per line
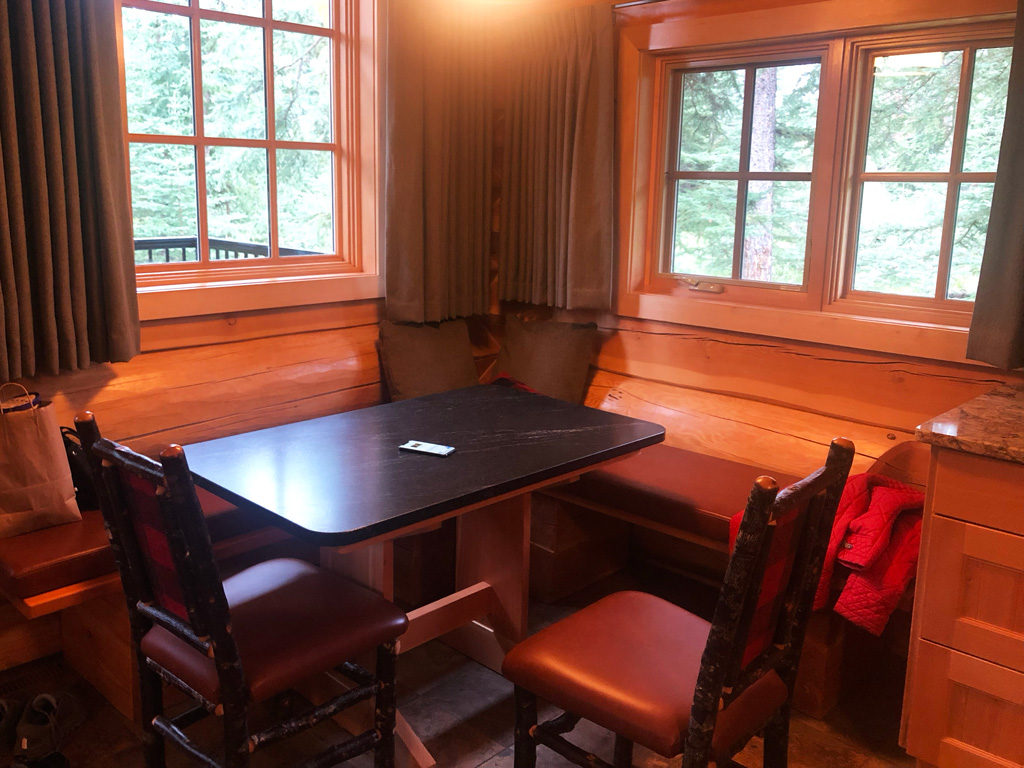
(674, 487)
(51, 558)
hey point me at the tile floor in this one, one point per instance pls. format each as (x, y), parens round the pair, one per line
(463, 712)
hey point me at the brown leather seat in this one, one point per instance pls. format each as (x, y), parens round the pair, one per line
(663, 484)
(56, 557)
(290, 620)
(657, 650)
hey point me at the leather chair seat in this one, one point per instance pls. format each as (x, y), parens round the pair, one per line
(61, 555)
(676, 487)
(290, 620)
(629, 663)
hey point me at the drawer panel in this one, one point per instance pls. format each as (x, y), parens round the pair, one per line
(963, 711)
(979, 490)
(972, 597)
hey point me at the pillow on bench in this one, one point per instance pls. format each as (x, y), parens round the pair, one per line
(549, 357)
(421, 360)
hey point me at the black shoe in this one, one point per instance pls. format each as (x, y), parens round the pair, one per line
(10, 711)
(45, 723)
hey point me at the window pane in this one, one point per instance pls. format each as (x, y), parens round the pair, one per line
(913, 105)
(988, 108)
(158, 72)
(705, 227)
(710, 120)
(234, 99)
(246, 7)
(305, 201)
(236, 202)
(164, 219)
(900, 234)
(775, 231)
(785, 113)
(302, 86)
(317, 12)
(972, 213)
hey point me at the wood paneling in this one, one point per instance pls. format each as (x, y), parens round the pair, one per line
(22, 640)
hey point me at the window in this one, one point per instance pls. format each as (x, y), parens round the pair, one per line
(739, 177)
(244, 139)
(849, 177)
(926, 169)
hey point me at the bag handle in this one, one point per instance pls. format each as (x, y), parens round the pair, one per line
(28, 395)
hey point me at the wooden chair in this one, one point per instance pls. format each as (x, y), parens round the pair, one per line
(657, 675)
(231, 644)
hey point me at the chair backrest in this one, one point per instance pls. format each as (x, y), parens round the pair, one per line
(161, 544)
(765, 600)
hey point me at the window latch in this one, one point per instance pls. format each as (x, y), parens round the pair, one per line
(702, 285)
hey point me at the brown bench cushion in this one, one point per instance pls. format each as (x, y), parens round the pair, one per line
(674, 487)
(56, 557)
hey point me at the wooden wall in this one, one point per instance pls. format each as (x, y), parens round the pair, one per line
(766, 401)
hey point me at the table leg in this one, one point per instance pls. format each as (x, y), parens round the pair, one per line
(371, 566)
(493, 546)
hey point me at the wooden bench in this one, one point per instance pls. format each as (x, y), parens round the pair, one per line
(66, 594)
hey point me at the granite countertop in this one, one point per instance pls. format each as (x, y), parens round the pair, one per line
(988, 425)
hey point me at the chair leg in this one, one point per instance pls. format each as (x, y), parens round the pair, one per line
(384, 709)
(236, 735)
(623, 752)
(151, 705)
(776, 739)
(526, 721)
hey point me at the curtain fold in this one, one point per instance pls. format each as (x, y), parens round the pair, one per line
(439, 149)
(556, 240)
(67, 276)
(997, 326)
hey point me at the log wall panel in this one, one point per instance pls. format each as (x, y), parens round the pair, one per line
(870, 388)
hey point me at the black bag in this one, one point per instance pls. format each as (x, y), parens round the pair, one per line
(81, 475)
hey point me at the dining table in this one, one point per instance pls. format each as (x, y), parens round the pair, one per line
(342, 482)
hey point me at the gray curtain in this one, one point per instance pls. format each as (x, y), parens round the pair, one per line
(557, 214)
(67, 278)
(997, 328)
(438, 148)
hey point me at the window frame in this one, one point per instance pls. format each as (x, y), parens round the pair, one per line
(656, 277)
(863, 51)
(829, 315)
(353, 271)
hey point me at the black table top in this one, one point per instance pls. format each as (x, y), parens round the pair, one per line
(341, 479)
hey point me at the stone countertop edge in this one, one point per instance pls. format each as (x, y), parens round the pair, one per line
(990, 425)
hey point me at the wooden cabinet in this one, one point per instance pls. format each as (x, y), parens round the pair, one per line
(964, 701)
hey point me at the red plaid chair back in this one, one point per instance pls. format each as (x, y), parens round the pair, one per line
(140, 497)
(779, 543)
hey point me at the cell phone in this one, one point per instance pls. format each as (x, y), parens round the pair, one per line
(418, 446)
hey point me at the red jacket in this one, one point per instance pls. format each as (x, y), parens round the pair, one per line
(877, 535)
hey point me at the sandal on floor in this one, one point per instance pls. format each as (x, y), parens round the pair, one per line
(45, 723)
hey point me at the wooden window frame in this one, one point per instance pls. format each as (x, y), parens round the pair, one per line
(829, 313)
(656, 277)
(936, 310)
(353, 271)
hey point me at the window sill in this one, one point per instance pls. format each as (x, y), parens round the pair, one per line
(936, 342)
(160, 302)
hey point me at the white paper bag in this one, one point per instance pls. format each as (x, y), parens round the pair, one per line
(36, 490)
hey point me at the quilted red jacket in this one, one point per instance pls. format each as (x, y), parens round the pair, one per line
(877, 535)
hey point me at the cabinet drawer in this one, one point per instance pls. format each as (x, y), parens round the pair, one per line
(964, 712)
(979, 490)
(973, 591)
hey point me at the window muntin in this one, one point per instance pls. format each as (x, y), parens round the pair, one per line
(737, 187)
(924, 187)
(232, 129)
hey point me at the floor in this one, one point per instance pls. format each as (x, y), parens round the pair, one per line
(463, 712)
